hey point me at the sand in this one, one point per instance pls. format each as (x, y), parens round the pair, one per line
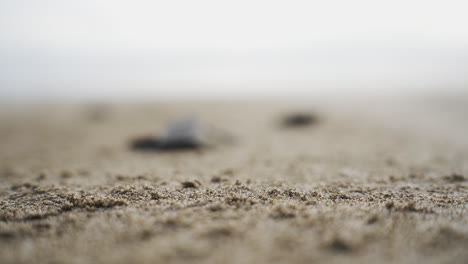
(371, 181)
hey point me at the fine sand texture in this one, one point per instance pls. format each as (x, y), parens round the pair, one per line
(372, 181)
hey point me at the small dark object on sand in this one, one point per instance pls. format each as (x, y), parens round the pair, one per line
(339, 246)
(190, 184)
(455, 178)
(181, 135)
(299, 120)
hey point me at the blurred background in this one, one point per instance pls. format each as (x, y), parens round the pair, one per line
(117, 50)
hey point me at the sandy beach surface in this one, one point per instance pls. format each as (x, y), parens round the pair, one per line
(372, 181)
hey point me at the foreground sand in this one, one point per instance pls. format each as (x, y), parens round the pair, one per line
(371, 182)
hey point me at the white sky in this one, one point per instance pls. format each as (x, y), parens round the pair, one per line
(93, 48)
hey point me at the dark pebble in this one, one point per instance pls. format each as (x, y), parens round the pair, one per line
(190, 184)
(299, 120)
